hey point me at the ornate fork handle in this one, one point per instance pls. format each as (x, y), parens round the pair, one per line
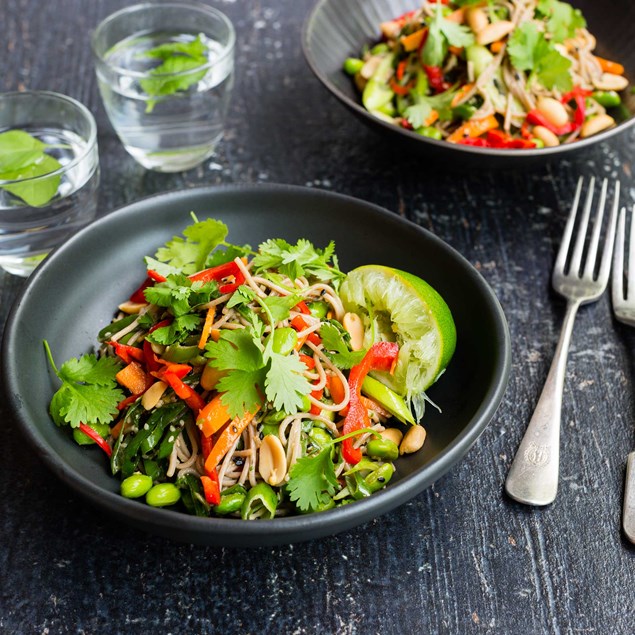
(533, 476)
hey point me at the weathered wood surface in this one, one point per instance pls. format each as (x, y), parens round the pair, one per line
(461, 557)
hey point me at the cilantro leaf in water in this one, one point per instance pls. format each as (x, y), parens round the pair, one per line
(177, 57)
(301, 259)
(89, 391)
(190, 252)
(312, 480)
(180, 295)
(443, 33)
(562, 19)
(530, 51)
(336, 347)
(23, 157)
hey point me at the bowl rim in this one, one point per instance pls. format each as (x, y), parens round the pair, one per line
(442, 145)
(280, 530)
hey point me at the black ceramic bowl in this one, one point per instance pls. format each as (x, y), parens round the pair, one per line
(337, 29)
(73, 294)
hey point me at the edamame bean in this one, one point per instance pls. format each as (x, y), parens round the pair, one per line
(320, 437)
(306, 404)
(378, 479)
(607, 98)
(353, 65)
(382, 449)
(270, 428)
(163, 494)
(136, 486)
(380, 48)
(430, 132)
(284, 340)
(231, 500)
(275, 417)
(318, 309)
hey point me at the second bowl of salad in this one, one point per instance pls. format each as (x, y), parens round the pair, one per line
(527, 79)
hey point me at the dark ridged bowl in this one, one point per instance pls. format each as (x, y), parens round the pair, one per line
(74, 293)
(337, 29)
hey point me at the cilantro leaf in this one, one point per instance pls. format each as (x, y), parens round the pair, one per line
(301, 259)
(242, 295)
(227, 254)
(190, 254)
(312, 479)
(171, 75)
(235, 350)
(336, 346)
(418, 112)
(285, 383)
(443, 33)
(530, 51)
(89, 391)
(180, 295)
(177, 331)
(562, 19)
(237, 353)
(280, 306)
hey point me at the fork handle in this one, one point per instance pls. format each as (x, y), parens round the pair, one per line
(533, 476)
(628, 509)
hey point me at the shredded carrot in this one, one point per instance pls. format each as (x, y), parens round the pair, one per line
(413, 41)
(456, 50)
(473, 128)
(496, 47)
(116, 429)
(371, 404)
(207, 327)
(337, 389)
(464, 90)
(432, 117)
(609, 66)
(226, 439)
(134, 378)
(215, 334)
(213, 416)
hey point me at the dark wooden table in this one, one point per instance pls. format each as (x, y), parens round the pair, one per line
(459, 558)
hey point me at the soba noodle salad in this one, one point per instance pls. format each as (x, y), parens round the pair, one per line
(491, 73)
(257, 384)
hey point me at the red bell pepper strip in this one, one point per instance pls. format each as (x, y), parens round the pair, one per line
(96, 437)
(578, 95)
(316, 394)
(211, 488)
(138, 296)
(380, 356)
(206, 445)
(299, 324)
(160, 324)
(435, 78)
(185, 392)
(302, 307)
(307, 360)
(229, 269)
(398, 89)
(154, 275)
(128, 353)
(401, 69)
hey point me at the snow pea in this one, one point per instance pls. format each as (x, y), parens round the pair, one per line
(231, 500)
(259, 498)
(108, 331)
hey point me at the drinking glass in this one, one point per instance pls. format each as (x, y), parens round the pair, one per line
(167, 108)
(39, 211)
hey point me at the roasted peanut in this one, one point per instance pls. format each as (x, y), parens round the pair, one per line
(413, 440)
(132, 307)
(494, 32)
(272, 460)
(609, 81)
(549, 138)
(353, 324)
(477, 19)
(392, 434)
(596, 124)
(554, 112)
(153, 394)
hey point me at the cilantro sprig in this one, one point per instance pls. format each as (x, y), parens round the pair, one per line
(23, 157)
(335, 340)
(529, 50)
(442, 34)
(89, 391)
(172, 76)
(422, 108)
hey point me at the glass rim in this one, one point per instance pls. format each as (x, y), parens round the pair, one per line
(91, 141)
(226, 50)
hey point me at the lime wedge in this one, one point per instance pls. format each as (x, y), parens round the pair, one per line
(398, 306)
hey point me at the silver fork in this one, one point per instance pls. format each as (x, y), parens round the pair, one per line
(533, 476)
(624, 310)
